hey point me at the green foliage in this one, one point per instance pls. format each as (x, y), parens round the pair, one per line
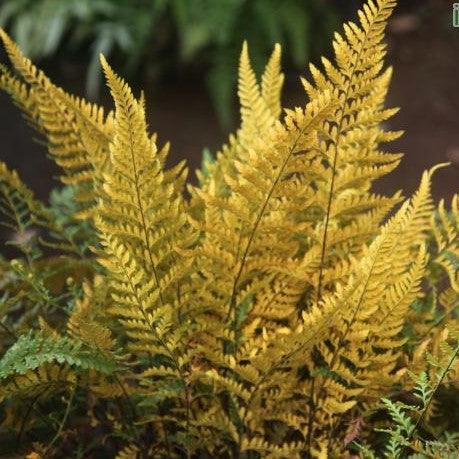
(265, 314)
(32, 350)
(216, 30)
(44, 27)
(409, 422)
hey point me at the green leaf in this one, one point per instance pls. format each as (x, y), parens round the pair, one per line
(35, 349)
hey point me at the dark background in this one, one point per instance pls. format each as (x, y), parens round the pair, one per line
(423, 48)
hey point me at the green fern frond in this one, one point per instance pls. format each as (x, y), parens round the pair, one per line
(33, 350)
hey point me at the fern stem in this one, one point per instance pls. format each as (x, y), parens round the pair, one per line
(188, 413)
(327, 219)
(128, 400)
(252, 235)
(329, 203)
(260, 216)
(165, 346)
(335, 142)
(333, 177)
(64, 420)
(38, 409)
(142, 216)
(26, 417)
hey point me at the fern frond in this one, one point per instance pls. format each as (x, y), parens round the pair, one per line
(146, 239)
(43, 382)
(22, 95)
(77, 131)
(258, 207)
(352, 132)
(139, 207)
(272, 81)
(260, 108)
(85, 322)
(377, 310)
(17, 202)
(33, 350)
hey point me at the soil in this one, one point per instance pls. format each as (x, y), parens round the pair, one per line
(423, 48)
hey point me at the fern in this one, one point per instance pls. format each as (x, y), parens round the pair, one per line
(407, 420)
(265, 316)
(31, 351)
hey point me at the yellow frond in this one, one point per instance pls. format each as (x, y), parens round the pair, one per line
(77, 131)
(272, 82)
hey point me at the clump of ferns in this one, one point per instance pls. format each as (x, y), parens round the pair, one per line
(264, 316)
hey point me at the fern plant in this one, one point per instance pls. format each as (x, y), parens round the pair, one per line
(264, 316)
(408, 419)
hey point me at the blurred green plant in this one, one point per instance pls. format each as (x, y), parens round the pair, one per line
(204, 31)
(217, 29)
(44, 27)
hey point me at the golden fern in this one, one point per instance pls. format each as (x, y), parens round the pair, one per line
(77, 131)
(366, 345)
(256, 319)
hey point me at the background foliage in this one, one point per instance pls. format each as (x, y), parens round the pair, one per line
(158, 36)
